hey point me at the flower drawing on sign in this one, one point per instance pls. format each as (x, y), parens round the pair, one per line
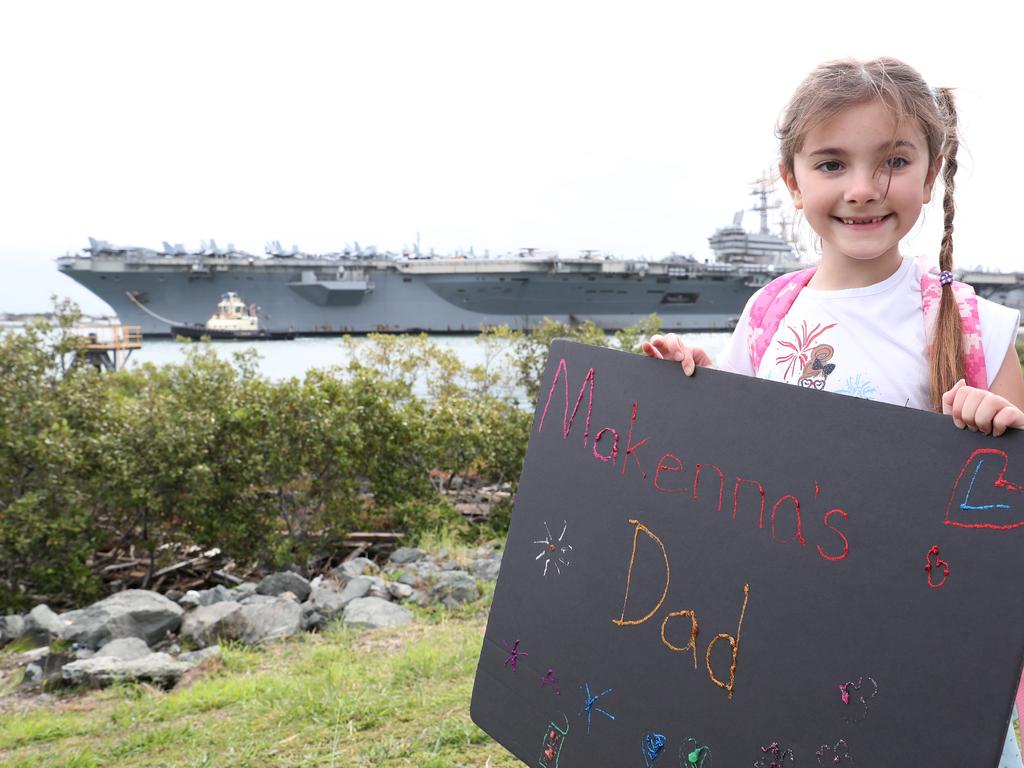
(855, 697)
(837, 754)
(774, 756)
(554, 551)
(797, 353)
(694, 755)
(652, 746)
(554, 738)
(550, 678)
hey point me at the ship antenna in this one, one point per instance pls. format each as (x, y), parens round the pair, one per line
(761, 189)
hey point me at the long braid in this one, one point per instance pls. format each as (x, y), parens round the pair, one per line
(946, 365)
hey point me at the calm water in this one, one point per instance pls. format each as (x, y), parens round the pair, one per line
(283, 359)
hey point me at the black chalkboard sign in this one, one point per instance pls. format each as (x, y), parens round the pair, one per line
(720, 571)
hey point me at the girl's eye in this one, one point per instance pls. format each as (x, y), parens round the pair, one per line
(830, 166)
(896, 162)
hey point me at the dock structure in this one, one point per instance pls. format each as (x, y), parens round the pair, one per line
(108, 347)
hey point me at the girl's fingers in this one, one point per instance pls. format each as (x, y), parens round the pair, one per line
(949, 397)
(652, 351)
(968, 399)
(988, 406)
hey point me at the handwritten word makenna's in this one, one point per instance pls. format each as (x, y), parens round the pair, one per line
(605, 448)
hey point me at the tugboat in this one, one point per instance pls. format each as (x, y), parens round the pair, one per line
(234, 319)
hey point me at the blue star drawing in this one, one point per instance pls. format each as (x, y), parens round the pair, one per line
(858, 388)
(588, 704)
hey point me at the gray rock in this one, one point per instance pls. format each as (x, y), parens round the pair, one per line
(285, 581)
(313, 621)
(11, 628)
(486, 568)
(357, 566)
(35, 654)
(46, 670)
(190, 599)
(405, 555)
(205, 623)
(242, 591)
(42, 625)
(400, 591)
(157, 668)
(378, 588)
(83, 653)
(131, 613)
(329, 600)
(33, 675)
(257, 600)
(217, 594)
(374, 613)
(126, 648)
(454, 588)
(416, 574)
(195, 658)
(259, 623)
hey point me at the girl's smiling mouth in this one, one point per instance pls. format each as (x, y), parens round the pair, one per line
(862, 222)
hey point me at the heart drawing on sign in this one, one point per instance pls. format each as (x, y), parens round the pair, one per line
(999, 506)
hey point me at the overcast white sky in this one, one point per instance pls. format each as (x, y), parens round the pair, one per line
(632, 128)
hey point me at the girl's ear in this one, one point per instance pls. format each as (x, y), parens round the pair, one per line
(794, 190)
(929, 180)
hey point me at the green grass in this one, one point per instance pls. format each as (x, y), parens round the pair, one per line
(342, 698)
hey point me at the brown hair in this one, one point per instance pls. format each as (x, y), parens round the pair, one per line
(837, 85)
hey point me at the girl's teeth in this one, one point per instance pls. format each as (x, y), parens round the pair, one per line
(863, 221)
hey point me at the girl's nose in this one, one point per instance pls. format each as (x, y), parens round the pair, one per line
(865, 186)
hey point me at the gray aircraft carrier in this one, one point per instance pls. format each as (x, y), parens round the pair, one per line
(362, 291)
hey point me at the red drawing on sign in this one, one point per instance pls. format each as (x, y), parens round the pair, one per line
(964, 506)
(938, 565)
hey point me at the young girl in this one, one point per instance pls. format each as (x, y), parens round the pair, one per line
(862, 144)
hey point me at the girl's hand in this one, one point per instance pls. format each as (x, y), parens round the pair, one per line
(981, 410)
(671, 347)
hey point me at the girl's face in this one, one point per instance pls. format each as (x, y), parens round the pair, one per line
(860, 190)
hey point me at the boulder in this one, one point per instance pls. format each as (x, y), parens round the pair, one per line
(195, 658)
(11, 628)
(400, 591)
(486, 568)
(100, 671)
(42, 625)
(454, 588)
(357, 566)
(374, 613)
(46, 669)
(262, 622)
(329, 599)
(126, 648)
(194, 598)
(285, 581)
(406, 555)
(258, 600)
(205, 623)
(242, 591)
(131, 613)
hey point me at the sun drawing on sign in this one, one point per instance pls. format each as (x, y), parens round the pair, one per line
(554, 551)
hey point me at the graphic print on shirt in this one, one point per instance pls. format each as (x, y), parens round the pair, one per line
(816, 371)
(799, 355)
(858, 387)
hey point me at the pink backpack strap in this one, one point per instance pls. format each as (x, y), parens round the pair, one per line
(974, 354)
(768, 309)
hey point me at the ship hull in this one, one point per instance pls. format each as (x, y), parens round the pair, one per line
(199, 332)
(417, 297)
